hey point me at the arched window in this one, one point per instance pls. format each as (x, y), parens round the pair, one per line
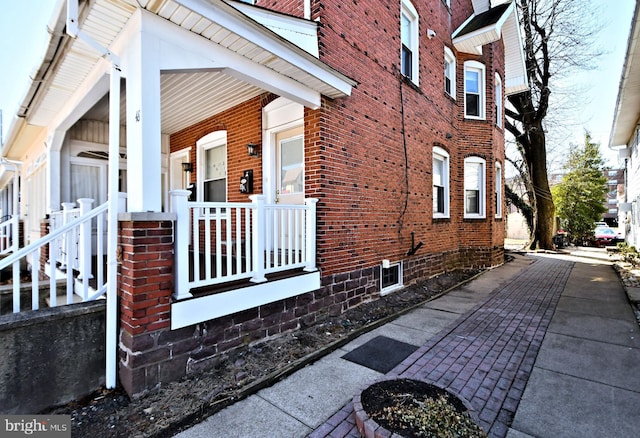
(474, 90)
(474, 187)
(440, 183)
(449, 73)
(410, 43)
(212, 167)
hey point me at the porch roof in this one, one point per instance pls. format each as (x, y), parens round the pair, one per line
(281, 43)
(488, 26)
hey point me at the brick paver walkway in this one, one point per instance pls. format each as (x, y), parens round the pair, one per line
(488, 355)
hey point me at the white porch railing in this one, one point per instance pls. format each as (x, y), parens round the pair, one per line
(9, 235)
(221, 242)
(66, 246)
(75, 279)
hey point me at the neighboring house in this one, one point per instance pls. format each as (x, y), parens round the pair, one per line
(625, 136)
(373, 133)
(615, 195)
(516, 227)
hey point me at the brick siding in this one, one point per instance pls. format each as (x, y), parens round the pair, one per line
(368, 159)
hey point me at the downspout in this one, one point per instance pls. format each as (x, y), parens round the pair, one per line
(113, 197)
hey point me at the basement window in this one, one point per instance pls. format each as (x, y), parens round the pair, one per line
(390, 278)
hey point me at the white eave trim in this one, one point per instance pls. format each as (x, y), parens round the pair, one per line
(507, 27)
(473, 42)
(303, 33)
(244, 26)
(625, 115)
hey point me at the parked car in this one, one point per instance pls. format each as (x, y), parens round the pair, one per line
(606, 236)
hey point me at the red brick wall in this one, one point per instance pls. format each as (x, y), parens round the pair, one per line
(368, 156)
(243, 126)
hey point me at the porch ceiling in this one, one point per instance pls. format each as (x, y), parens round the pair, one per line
(186, 97)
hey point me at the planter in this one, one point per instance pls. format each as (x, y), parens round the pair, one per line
(407, 408)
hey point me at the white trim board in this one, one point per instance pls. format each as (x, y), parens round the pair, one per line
(197, 310)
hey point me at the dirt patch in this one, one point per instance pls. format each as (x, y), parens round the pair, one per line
(175, 406)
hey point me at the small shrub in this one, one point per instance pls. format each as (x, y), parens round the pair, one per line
(432, 417)
(629, 254)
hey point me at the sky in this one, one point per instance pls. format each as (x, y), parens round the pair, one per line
(23, 38)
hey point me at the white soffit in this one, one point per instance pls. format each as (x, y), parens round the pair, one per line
(105, 19)
(499, 22)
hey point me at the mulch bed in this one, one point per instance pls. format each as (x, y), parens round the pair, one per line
(178, 405)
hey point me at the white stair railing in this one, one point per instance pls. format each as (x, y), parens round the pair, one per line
(8, 235)
(80, 226)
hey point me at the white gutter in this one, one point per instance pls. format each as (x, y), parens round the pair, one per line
(113, 196)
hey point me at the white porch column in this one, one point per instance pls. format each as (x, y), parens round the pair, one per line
(143, 123)
(54, 181)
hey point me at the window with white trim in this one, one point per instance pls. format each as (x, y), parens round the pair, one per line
(440, 183)
(498, 99)
(474, 90)
(498, 187)
(390, 277)
(474, 187)
(212, 167)
(409, 37)
(449, 73)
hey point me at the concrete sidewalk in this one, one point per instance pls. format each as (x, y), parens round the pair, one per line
(497, 342)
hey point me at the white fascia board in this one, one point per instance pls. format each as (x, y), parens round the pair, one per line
(516, 80)
(473, 42)
(196, 310)
(303, 33)
(183, 50)
(238, 23)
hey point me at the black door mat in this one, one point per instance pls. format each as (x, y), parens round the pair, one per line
(381, 354)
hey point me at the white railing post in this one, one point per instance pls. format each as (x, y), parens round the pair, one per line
(181, 268)
(84, 247)
(258, 235)
(65, 244)
(310, 234)
(122, 202)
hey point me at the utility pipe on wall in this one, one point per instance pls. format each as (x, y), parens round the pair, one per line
(113, 195)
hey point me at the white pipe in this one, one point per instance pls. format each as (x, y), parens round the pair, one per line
(113, 195)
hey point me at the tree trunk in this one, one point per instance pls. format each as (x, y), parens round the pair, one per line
(545, 210)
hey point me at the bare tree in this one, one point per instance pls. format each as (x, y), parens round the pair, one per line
(558, 37)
